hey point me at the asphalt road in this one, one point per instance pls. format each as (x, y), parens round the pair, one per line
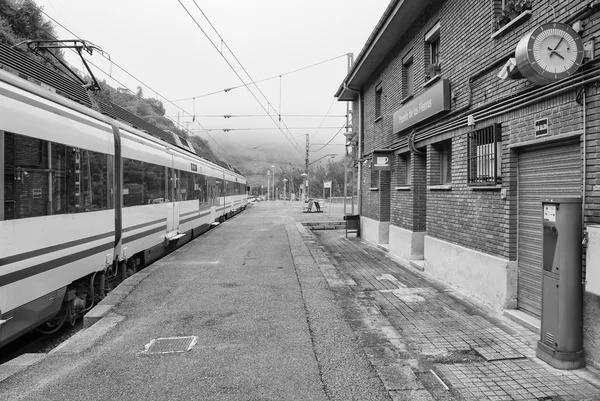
(267, 327)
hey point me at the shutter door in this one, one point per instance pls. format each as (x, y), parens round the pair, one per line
(548, 172)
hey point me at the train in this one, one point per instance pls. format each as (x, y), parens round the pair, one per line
(89, 196)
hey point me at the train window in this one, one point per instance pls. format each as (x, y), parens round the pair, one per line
(154, 183)
(185, 186)
(201, 190)
(133, 184)
(87, 182)
(171, 179)
(44, 178)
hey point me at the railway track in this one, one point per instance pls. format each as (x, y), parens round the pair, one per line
(35, 342)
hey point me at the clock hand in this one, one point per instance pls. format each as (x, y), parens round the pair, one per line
(559, 42)
(554, 52)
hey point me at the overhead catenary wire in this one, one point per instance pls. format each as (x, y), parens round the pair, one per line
(137, 79)
(262, 115)
(264, 129)
(292, 140)
(261, 80)
(332, 138)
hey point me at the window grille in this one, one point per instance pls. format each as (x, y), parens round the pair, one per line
(483, 155)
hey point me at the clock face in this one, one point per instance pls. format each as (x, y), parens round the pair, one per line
(549, 53)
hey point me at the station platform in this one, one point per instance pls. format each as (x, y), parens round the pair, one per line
(277, 304)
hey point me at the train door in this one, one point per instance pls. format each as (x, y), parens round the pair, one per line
(170, 203)
(178, 199)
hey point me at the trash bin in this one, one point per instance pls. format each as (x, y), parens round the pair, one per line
(352, 224)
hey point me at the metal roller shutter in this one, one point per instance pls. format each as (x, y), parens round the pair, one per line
(543, 172)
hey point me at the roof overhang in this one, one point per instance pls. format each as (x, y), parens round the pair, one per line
(394, 23)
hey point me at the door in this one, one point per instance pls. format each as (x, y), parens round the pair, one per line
(545, 172)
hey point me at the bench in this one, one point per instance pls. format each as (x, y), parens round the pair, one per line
(307, 207)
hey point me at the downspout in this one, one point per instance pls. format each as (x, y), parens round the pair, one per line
(584, 168)
(359, 155)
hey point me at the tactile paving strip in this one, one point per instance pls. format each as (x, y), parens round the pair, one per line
(170, 344)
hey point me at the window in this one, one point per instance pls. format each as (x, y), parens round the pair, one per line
(133, 183)
(441, 163)
(405, 169)
(44, 178)
(408, 78)
(154, 183)
(432, 52)
(483, 155)
(378, 96)
(201, 189)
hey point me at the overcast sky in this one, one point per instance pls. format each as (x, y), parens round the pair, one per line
(158, 43)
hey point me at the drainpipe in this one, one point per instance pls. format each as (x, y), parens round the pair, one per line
(584, 242)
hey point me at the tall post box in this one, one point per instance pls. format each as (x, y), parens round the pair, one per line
(561, 336)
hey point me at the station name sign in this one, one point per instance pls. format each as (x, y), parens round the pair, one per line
(435, 100)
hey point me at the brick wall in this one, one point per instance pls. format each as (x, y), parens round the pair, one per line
(482, 220)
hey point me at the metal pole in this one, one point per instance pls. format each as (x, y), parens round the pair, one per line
(353, 174)
(306, 162)
(350, 61)
(345, 177)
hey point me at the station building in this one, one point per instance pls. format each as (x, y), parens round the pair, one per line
(467, 115)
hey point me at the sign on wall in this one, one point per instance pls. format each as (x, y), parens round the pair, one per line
(381, 160)
(541, 127)
(435, 100)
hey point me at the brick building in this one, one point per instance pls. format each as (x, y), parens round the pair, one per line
(467, 116)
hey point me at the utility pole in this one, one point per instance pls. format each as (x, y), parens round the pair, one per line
(306, 168)
(350, 62)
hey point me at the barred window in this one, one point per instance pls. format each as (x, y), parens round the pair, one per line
(483, 155)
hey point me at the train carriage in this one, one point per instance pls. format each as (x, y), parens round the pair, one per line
(86, 196)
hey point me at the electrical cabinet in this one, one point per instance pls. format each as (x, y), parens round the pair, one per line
(561, 336)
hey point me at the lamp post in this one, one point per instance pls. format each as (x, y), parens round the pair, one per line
(284, 185)
(273, 167)
(268, 185)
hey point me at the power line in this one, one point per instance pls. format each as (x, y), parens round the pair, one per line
(134, 77)
(262, 115)
(261, 80)
(332, 138)
(294, 143)
(264, 129)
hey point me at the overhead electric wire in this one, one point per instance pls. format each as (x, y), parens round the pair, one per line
(262, 115)
(260, 80)
(294, 143)
(263, 129)
(134, 77)
(332, 138)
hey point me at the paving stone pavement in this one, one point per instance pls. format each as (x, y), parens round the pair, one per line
(425, 342)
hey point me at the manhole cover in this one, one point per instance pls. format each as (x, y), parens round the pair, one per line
(170, 344)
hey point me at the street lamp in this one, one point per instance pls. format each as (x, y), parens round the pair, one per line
(273, 167)
(305, 179)
(268, 185)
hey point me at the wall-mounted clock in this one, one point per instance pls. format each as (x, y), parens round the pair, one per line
(550, 52)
